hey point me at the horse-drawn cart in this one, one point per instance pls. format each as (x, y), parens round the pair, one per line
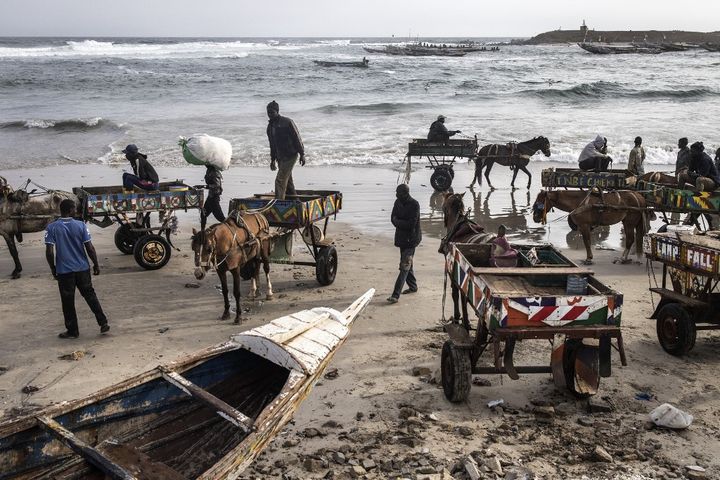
(441, 156)
(692, 300)
(546, 297)
(576, 178)
(666, 199)
(299, 212)
(150, 245)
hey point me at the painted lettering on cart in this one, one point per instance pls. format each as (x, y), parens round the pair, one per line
(668, 251)
(699, 259)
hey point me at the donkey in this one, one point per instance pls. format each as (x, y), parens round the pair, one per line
(513, 155)
(238, 243)
(21, 213)
(589, 209)
(459, 229)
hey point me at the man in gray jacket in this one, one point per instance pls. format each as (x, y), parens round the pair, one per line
(594, 156)
(286, 148)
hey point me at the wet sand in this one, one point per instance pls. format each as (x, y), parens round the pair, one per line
(155, 319)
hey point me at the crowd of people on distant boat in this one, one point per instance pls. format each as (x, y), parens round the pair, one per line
(693, 165)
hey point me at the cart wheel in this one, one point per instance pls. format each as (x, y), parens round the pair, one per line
(675, 330)
(152, 252)
(441, 179)
(456, 372)
(581, 365)
(125, 238)
(326, 265)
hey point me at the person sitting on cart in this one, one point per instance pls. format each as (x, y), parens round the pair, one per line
(439, 132)
(502, 254)
(594, 156)
(213, 182)
(144, 175)
(701, 173)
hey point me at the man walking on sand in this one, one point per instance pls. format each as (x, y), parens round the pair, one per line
(406, 219)
(68, 245)
(286, 148)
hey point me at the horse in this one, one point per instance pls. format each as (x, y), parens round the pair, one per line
(23, 212)
(238, 245)
(459, 229)
(513, 155)
(659, 178)
(589, 209)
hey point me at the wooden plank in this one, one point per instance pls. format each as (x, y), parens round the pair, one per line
(94, 457)
(680, 298)
(522, 271)
(226, 411)
(141, 462)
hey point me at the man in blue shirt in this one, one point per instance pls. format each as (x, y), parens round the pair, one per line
(67, 247)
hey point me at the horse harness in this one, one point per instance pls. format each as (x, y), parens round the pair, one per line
(244, 247)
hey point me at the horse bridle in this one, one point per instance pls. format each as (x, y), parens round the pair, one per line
(212, 257)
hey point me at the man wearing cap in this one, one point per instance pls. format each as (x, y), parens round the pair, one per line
(286, 148)
(406, 219)
(144, 175)
(439, 132)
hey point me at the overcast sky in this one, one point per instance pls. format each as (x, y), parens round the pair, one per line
(346, 18)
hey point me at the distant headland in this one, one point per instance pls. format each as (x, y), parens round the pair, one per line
(585, 34)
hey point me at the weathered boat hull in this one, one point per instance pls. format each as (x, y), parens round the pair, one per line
(207, 416)
(323, 63)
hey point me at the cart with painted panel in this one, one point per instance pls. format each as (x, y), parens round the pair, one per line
(576, 178)
(150, 244)
(545, 297)
(701, 208)
(689, 290)
(441, 157)
(301, 212)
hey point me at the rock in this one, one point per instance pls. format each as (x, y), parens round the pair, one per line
(368, 464)
(429, 476)
(407, 412)
(471, 468)
(481, 382)
(694, 475)
(290, 443)
(338, 457)
(602, 455)
(356, 471)
(312, 433)
(359, 416)
(586, 421)
(409, 441)
(493, 464)
(332, 373)
(331, 424)
(192, 285)
(544, 411)
(433, 417)
(465, 431)
(30, 389)
(426, 469)
(564, 409)
(541, 402)
(446, 475)
(520, 473)
(163, 330)
(596, 405)
(421, 371)
(312, 465)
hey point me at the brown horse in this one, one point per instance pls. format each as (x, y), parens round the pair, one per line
(590, 209)
(660, 178)
(232, 246)
(459, 229)
(513, 155)
(23, 212)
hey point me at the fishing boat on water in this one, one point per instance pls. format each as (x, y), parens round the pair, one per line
(206, 416)
(711, 47)
(364, 63)
(608, 48)
(416, 51)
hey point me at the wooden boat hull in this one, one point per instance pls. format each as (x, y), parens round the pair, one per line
(206, 416)
(341, 64)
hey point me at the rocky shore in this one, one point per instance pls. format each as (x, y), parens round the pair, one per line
(651, 36)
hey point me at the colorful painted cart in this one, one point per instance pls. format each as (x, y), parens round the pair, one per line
(697, 205)
(441, 156)
(690, 301)
(576, 178)
(299, 212)
(546, 297)
(150, 245)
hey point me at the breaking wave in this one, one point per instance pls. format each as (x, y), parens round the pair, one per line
(603, 89)
(384, 108)
(75, 124)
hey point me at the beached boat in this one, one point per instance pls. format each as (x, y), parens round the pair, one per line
(207, 416)
(361, 64)
(416, 51)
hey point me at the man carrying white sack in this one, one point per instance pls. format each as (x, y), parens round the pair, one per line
(213, 180)
(285, 149)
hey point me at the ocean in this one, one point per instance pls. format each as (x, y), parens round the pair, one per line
(81, 100)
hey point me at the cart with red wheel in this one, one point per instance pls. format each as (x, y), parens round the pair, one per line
(545, 297)
(689, 293)
(299, 212)
(150, 245)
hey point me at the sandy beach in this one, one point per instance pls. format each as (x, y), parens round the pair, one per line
(364, 417)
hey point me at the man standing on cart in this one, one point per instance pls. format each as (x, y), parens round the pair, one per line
(286, 148)
(439, 132)
(406, 219)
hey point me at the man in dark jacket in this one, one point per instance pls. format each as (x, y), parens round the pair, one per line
(406, 219)
(683, 157)
(144, 175)
(701, 172)
(286, 148)
(439, 132)
(213, 181)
